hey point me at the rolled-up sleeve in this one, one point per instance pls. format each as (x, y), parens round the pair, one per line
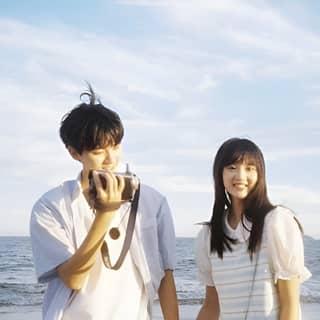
(166, 236)
(285, 245)
(203, 262)
(51, 245)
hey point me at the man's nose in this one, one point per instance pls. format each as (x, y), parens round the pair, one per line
(108, 155)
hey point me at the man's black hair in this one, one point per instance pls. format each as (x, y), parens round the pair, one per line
(91, 125)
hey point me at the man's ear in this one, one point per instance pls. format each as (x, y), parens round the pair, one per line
(74, 153)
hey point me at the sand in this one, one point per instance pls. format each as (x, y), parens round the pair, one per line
(310, 311)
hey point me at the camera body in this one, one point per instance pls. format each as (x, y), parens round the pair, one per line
(131, 183)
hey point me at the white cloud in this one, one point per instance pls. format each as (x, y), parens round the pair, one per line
(286, 194)
(149, 91)
(144, 3)
(286, 153)
(303, 201)
(267, 42)
(207, 83)
(183, 184)
(314, 103)
(315, 87)
(150, 169)
(169, 88)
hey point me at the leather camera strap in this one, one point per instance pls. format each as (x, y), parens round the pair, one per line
(127, 239)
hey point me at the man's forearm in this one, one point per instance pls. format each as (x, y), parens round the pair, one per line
(168, 297)
(74, 271)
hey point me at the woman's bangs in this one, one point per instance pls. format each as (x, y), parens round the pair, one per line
(249, 157)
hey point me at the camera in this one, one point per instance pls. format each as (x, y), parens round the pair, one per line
(131, 183)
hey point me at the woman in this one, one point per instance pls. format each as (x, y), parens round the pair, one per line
(250, 255)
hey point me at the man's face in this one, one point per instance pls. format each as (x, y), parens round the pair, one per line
(106, 158)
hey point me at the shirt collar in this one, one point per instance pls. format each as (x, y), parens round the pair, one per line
(241, 232)
(77, 188)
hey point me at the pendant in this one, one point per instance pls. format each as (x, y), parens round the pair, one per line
(114, 233)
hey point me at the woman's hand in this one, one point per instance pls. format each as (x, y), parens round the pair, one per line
(289, 296)
(210, 309)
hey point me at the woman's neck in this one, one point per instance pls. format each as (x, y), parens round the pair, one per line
(235, 212)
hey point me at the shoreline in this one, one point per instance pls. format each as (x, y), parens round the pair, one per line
(310, 311)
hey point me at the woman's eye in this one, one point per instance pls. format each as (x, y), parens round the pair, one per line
(251, 168)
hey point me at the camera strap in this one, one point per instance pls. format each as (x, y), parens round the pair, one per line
(128, 237)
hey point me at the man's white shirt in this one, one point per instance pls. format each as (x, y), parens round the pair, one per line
(59, 224)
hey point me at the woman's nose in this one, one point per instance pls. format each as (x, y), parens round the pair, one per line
(240, 173)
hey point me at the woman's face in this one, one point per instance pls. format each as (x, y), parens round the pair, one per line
(239, 179)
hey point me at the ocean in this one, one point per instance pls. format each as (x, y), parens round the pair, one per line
(19, 290)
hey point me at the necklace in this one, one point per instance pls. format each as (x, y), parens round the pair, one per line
(114, 232)
(252, 284)
(127, 239)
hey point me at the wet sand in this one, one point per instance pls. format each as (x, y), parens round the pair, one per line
(310, 311)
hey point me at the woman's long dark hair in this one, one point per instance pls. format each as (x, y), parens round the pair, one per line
(257, 204)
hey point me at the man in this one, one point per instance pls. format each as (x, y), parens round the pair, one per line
(70, 225)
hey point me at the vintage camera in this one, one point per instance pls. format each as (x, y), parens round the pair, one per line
(131, 183)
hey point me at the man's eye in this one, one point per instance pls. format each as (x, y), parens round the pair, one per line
(97, 152)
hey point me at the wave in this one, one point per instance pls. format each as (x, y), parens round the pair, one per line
(17, 294)
(21, 288)
(310, 299)
(34, 299)
(18, 287)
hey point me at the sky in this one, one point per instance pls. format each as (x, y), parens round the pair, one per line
(184, 77)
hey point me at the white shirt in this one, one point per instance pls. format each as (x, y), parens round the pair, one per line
(106, 293)
(285, 248)
(281, 257)
(57, 229)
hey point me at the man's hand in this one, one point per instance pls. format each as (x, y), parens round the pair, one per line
(168, 297)
(105, 194)
(74, 271)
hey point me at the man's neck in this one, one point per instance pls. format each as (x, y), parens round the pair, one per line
(84, 181)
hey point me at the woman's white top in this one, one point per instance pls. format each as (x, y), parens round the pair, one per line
(281, 257)
(102, 293)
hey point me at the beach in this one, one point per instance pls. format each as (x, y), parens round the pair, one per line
(21, 296)
(310, 311)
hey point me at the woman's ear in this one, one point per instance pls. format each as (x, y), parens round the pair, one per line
(74, 153)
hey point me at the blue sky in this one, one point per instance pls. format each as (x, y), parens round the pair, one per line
(184, 76)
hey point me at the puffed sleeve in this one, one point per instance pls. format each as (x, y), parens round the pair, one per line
(285, 245)
(203, 262)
